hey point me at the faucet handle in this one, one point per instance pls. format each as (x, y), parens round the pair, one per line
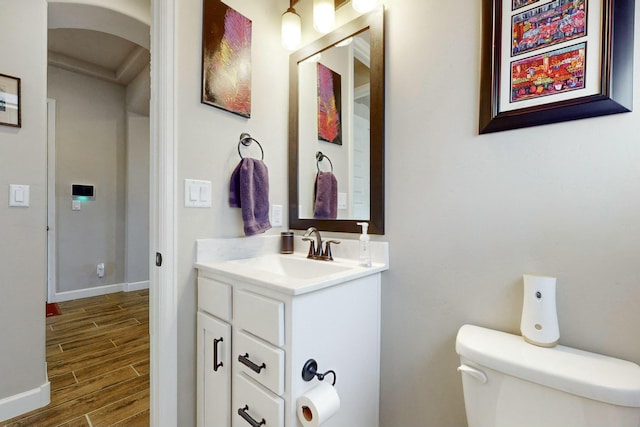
(312, 246)
(327, 250)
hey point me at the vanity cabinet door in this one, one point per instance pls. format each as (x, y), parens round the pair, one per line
(214, 372)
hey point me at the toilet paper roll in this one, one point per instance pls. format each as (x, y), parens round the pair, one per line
(318, 405)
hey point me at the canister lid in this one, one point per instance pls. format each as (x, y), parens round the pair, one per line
(579, 372)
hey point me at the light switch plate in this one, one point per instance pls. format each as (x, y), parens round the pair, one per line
(276, 215)
(19, 195)
(197, 193)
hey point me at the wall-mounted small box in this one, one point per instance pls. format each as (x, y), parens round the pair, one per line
(83, 192)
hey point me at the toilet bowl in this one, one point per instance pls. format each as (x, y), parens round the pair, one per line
(510, 383)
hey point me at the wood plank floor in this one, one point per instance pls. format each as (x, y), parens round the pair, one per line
(98, 364)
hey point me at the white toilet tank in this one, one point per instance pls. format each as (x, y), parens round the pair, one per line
(510, 383)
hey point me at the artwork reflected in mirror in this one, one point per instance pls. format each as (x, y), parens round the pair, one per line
(337, 133)
(329, 105)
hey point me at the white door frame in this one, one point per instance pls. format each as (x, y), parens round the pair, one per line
(163, 280)
(51, 200)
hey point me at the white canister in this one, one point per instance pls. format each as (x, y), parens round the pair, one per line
(539, 324)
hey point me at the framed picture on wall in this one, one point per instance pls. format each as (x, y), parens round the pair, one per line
(548, 61)
(10, 109)
(226, 58)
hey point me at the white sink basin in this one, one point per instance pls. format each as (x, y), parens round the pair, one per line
(293, 273)
(292, 266)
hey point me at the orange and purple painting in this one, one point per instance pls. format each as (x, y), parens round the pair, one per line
(226, 58)
(329, 105)
(550, 73)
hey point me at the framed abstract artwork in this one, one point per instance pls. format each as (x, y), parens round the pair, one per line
(329, 105)
(226, 58)
(552, 61)
(10, 108)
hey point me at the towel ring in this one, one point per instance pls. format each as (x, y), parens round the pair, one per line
(245, 139)
(320, 157)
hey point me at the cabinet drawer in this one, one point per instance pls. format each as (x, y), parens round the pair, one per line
(256, 403)
(214, 297)
(262, 316)
(259, 360)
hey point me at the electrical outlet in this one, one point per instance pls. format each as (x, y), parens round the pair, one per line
(100, 270)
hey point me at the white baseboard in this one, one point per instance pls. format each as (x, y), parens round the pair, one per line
(136, 286)
(100, 290)
(22, 403)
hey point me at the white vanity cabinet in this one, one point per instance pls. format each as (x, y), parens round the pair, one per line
(263, 335)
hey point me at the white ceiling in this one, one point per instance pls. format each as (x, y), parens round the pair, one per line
(96, 54)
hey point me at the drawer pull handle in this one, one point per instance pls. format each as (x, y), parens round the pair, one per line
(243, 413)
(255, 368)
(216, 365)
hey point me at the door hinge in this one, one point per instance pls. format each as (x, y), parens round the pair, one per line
(158, 259)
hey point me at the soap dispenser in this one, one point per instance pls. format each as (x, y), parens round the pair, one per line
(365, 256)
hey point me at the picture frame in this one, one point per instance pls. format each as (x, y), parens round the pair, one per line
(10, 102)
(601, 84)
(226, 58)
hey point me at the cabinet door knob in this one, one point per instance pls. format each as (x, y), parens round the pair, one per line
(248, 418)
(245, 361)
(216, 365)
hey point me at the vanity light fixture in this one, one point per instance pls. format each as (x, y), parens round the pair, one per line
(324, 17)
(364, 6)
(345, 42)
(291, 28)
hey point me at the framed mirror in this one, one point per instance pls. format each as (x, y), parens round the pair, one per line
(336, 124)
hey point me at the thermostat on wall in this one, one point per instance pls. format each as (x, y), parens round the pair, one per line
(83, 192)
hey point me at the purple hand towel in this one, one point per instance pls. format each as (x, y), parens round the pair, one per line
(234, 187)
(325, 205)
(249, 191)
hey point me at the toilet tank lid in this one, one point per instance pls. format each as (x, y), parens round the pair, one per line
(579, 372)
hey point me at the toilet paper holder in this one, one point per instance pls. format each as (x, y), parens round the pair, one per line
(310, 371)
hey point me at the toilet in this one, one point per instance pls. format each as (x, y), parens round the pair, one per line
(508, 382)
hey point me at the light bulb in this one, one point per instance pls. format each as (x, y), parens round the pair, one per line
(363, 6)
(324, 15)
(291, 29)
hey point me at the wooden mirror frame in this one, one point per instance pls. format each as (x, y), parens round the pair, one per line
(374, 22)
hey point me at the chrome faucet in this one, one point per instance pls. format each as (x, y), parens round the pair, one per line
(315, 247)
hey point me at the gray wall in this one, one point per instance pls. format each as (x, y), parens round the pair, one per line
(137, 212)
(207, 140)
(468, 215)
(90, 149)
(23, 156)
